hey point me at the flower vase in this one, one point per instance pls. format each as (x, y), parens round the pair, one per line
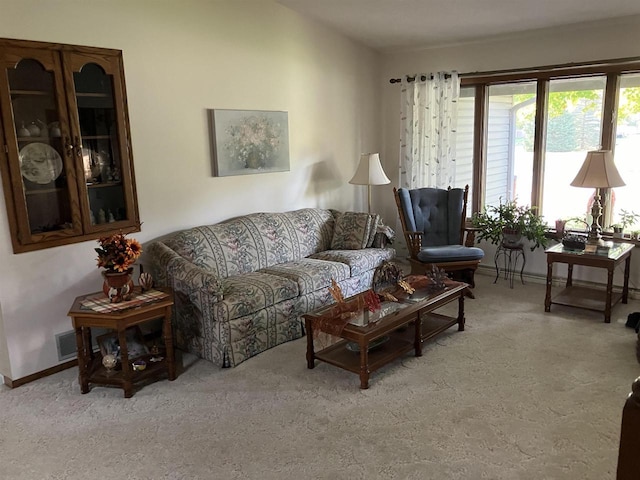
(118, 286)
(253, 160)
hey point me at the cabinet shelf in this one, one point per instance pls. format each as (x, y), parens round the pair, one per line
(43, 191)
(96, 137)
(92, 94)
(104, 185)
(36, 93)
(36, 139)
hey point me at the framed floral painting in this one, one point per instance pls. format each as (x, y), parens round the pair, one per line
(249, 141)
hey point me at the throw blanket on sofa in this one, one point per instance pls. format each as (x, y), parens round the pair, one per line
(241, 285)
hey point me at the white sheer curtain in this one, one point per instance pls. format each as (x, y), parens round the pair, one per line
(428, 128)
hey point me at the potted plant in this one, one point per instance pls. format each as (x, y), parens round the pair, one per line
(617, 230)
(508, 222)
(627, 219)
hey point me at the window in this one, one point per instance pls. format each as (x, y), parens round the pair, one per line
(627, 147)
(574, 120)
(512, 110)
(535, 128)
(464, 139)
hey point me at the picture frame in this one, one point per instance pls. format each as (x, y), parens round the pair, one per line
(109, 343)
(246, 142)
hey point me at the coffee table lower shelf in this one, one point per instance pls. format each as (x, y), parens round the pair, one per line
(585, 298)
(340, 356)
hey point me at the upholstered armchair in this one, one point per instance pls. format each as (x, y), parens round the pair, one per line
(433, 221)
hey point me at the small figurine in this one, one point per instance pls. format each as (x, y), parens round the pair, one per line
(109, 361)
(110, 217)
(145, 280)
(102, 216)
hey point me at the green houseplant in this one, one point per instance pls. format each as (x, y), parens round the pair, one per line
(508, 222)
(627, 219)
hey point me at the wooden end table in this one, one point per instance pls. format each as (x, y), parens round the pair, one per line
(589, 298)
(90, 368)
(417, 316)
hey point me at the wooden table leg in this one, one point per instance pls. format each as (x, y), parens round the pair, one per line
(82, 361)
(311, 355)
(168, 344)
(569, 274)
(461, 319)
(625, 288)
(127, 384)
(417, 338)
(607, 305)
(547, 298)
(364, 366)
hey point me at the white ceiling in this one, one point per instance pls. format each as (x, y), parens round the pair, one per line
(400, 24)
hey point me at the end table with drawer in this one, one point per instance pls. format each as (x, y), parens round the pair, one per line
(91, 311)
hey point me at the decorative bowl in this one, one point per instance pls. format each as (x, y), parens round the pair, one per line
(139, 365)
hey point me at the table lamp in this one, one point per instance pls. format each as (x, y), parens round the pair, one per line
(598, 171)
(369, 172)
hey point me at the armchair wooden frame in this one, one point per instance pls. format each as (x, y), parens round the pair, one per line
(458, 270)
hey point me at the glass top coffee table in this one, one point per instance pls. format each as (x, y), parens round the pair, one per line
(371, 340)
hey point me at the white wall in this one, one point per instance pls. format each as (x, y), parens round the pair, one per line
(579, 43)
(181, 58)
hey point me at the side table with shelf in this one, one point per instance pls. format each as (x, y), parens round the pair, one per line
(583, 297)
(121, 317)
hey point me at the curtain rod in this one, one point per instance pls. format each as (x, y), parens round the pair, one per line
(412, 78)
(534, 70)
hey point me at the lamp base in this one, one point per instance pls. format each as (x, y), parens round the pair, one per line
(595, 240)
(594, 237)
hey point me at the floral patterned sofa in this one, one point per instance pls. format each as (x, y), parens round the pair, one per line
(241, 285)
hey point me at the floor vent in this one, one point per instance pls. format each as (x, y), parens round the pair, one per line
(66, 343)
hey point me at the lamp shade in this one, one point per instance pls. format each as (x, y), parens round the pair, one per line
(598, 171)
(369, 171)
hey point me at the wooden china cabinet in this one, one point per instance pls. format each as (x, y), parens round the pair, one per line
(65, 158)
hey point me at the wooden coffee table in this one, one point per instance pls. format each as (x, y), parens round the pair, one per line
(374, 340)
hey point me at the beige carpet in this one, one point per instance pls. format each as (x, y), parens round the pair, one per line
(519, 395)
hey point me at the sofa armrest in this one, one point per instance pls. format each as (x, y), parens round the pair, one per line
(172, 270)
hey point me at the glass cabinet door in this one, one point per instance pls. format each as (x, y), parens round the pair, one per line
(101, 141)
(36, 134)
(65, 156)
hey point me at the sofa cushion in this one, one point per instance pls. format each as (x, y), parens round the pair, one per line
(353, 230)
(375, 221)
(310, 274)
(250, 292)
(449, 253)
(359, 261)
